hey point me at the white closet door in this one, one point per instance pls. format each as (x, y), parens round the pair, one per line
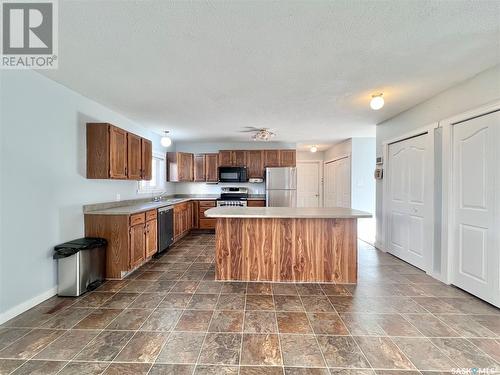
(409, 230)
(308, 184)
(337, 185)
(476, 208)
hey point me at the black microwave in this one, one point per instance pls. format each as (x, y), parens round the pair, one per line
(232, 174)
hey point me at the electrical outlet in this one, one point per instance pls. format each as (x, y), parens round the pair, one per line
(118, 197)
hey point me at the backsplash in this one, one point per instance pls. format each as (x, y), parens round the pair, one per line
(204, 188)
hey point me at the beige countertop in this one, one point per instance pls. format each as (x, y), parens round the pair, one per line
(138, 207)
(286, 213)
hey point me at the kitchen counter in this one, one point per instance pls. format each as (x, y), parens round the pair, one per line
(133, 207)
(286, 213)
(145, 206)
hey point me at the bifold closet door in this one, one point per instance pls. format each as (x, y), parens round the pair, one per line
(409, 230)
(476, 206)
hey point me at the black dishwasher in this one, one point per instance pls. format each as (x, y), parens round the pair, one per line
(165, 228)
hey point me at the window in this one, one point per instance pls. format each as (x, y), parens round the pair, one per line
(158, 173)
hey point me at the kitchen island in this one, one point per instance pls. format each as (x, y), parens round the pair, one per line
(285, 244)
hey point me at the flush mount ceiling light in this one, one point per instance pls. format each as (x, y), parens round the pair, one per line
(165, 141)
(377, 102)
(313, 149)
(263, 135)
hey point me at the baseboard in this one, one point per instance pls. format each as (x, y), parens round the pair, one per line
(26, 305)
(379, 245)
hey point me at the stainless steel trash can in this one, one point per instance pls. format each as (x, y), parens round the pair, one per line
(81, 263)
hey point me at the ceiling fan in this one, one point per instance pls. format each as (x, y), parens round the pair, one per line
(261, 134)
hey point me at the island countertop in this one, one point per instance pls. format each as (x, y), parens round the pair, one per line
(286, 213)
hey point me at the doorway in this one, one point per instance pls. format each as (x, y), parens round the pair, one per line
(309, 184)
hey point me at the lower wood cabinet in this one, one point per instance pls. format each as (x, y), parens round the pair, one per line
(256, 203)
(131, 239)
(183, 219)
(203, 221)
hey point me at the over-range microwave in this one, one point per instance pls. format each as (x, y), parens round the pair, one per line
(232, 174)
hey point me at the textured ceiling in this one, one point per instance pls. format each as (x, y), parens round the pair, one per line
(305, 69)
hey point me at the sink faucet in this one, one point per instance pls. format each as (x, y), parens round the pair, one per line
(158, 198)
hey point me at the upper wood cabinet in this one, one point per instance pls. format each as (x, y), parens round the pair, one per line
(147, 159)
(232, 158)
(199, 167)
(272, 158)
(212, 167)
(287, 158)
(113, 153)
(225, 158)
(134, 157)
(180, 166)
(255, 164)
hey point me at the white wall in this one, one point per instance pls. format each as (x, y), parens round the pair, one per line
(472, 93)
(362, 153)
(207, 147)
(43, 184)
(308, 155)
(363, 184)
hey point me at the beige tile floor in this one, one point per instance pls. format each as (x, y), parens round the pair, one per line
(171, 317)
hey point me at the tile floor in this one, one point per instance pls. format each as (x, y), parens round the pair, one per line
(170, 317)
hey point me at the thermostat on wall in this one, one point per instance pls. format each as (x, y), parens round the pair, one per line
(380, 160)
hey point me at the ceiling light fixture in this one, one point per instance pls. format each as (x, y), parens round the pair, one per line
(263, 135)
(165, 141)
(377, 102)
(313, 149)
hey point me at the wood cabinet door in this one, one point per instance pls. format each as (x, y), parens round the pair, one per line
(147, 159)
(255, 164)
(239, 158)
(185, 164)
(137, 245)
(117, 153)
(271, 158)
(134, 157)
(151, 238)
(287, 158)
(212, 167)
(189, 214)
(199, 167)
(195, 206)
(177, 221)
(225, 158)
(256, 203)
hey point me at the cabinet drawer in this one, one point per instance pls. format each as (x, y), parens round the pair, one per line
(207, 203)
(256, 203)
(137, 219)
(151, 215)
(207, 223)
(202, 212)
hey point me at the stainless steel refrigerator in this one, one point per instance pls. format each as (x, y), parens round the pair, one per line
(281, 187)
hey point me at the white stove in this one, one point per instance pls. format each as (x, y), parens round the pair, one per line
(233, 197)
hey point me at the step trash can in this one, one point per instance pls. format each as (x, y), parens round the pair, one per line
(80, 263)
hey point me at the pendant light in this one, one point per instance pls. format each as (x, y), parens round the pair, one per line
(313, 149)
(377, 102)
(165, 141)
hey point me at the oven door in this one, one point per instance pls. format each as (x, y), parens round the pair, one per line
(232, 174)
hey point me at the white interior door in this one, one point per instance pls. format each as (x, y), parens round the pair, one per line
(409, 207)
(308, 184)
(337, 184)
(476, 207)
